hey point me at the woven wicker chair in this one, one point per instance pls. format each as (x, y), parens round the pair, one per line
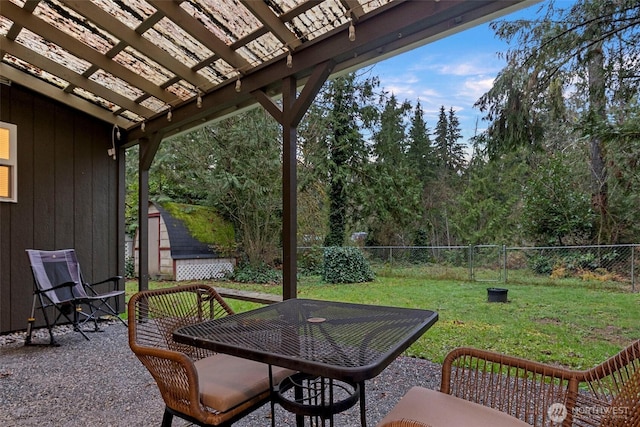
(607, 395)
(203, 387)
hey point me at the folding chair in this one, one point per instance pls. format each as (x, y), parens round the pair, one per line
(58, 283)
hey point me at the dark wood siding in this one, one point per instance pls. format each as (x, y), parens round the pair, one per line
(68, 197)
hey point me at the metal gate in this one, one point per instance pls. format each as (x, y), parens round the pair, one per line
(486, 263)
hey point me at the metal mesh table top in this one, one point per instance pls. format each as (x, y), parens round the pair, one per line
(345, 341)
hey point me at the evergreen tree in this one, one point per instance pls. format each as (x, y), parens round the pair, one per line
(455, 149)
(394, 191)
(314, 133)
(244, 180)
(348, 101)
(439, 199)
(489, 198)
(449, 150)
(441, 133)
(420, 153)
(556, 211)
(390, 143)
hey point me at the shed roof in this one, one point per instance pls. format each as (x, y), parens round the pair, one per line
(172, 65)
(183, 244)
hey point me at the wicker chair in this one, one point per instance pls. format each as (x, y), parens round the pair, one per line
(607, 395)
(203, 387)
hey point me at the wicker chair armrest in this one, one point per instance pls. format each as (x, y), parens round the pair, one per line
(522, 388)
(176, 377)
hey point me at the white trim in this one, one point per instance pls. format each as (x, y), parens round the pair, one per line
(12, 162)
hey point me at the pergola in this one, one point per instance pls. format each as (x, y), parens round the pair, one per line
(156, 68)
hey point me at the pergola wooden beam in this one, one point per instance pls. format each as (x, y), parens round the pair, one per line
(133, 39)
(261, 11)
(148, 149)
(257, 35)
(24, 19)
(75, 79)
(52, 92)
(199, 32)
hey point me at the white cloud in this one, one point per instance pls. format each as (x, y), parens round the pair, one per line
(401, 92)
(461, 69)
(473, 88)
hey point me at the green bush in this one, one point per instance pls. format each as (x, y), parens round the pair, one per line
(346, 265)
(540, 264)
(580, 261)
(129, 268)
(263, 274)
(310, 262)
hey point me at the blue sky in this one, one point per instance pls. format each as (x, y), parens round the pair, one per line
(454, 72)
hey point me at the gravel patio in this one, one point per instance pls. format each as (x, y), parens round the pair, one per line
(101, 383)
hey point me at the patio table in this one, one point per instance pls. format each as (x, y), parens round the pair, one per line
(325, 341)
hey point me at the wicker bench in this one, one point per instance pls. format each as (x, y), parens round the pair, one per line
(485, 388)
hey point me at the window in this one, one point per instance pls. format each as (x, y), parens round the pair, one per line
(8, 162)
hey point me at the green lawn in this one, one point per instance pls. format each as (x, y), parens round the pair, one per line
(561, 322)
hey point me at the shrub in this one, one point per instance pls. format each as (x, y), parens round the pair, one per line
(540, 264)
(129, 268)
(580, 261)
(310, 262)
(346, 265)
(263, 274)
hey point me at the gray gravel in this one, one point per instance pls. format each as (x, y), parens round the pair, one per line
(101, 383)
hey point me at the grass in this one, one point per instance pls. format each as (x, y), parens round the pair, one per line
(563, 322)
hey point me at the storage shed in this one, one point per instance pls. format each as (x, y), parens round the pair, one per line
(187, 242)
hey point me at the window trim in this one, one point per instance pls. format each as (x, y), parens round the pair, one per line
(12, 162)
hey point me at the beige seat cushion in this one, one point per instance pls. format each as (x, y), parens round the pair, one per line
(227, 381)
(442, 410)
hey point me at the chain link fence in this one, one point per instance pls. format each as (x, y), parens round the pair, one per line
(603, 263)
(616, 265)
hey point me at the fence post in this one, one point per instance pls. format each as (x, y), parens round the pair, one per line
(504, 262)
(633, 272)
(470, 262)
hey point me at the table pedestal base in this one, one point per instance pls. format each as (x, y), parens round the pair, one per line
(316, 397)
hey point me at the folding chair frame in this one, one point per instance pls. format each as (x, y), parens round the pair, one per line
(70, 309)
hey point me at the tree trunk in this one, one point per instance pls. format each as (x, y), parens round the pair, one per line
(597, 110)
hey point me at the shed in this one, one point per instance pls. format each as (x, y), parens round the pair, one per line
(187, 242)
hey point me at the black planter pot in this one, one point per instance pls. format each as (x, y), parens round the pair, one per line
(497, 294)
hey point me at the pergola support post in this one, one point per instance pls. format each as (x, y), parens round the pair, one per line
(294, 108)
(148, 149)
(289, 195)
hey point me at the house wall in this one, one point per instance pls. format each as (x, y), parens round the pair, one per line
(68, 197)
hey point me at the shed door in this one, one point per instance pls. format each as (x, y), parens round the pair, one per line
(154, 245)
